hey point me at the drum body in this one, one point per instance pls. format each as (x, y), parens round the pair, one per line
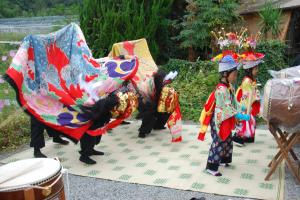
(281, 103)
(34, 179)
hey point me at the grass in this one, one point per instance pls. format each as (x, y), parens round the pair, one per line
(14, 123)
(7, 36)
(6, 92)
(14, 128)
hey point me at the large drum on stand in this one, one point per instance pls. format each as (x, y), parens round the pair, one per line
(281, 103)
(32, 179)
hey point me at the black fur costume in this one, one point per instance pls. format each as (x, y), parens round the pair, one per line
(151, 119)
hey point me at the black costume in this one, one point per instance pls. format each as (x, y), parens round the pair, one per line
(100, 113)
(151, 119)
(37, 136)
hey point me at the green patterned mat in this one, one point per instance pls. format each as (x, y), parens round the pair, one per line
(156, 161)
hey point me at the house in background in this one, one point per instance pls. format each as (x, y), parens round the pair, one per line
(290, 23)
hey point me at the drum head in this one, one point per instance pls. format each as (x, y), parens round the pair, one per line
(28, 172)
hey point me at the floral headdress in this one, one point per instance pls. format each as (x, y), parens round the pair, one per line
(249, 57)
(229, 43)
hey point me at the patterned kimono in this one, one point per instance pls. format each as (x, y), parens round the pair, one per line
(222, 123)
(248, 96)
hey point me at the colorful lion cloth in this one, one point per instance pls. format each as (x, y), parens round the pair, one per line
(144, 83)
(54, 75)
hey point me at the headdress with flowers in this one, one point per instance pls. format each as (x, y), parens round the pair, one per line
(229, 43)
(249, 57)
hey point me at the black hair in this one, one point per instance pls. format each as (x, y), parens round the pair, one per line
(248, 73)
(225, 74)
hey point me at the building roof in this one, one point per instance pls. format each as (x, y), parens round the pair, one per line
(251, 6)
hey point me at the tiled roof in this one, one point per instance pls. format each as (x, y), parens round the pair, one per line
(250, 6)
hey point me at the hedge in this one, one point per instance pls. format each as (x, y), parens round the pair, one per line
(196, 80)
(275, 58)
(194, 83)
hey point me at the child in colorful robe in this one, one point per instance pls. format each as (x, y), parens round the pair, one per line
(248, 96)
(221, 111)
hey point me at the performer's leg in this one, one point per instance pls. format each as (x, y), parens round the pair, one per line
(37, 137)
(97, 124)
(97, 141)
(161, 120)
(87, 144)
(238, 137)
(56, 136)
(228, 147)
(251, 127)
(148, 121)
(215, 152)
(249, 140)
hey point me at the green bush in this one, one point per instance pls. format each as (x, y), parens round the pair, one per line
(195, 81)
(275, 58)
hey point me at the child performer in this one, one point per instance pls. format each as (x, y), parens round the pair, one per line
(248, 96)
(220, 111)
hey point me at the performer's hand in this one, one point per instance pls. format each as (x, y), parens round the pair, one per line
(242, 117)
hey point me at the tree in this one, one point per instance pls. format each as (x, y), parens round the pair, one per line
(204, 16)
(28, 8)
(270, 19)
(8, 9)
(105, 22)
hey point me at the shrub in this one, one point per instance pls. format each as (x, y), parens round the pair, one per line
(275, 58)
(195, 81)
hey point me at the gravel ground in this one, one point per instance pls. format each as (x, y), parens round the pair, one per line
(87, 188)
(95, 189)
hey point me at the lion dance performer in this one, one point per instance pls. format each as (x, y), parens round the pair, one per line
(158, 103)
(61, 85)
